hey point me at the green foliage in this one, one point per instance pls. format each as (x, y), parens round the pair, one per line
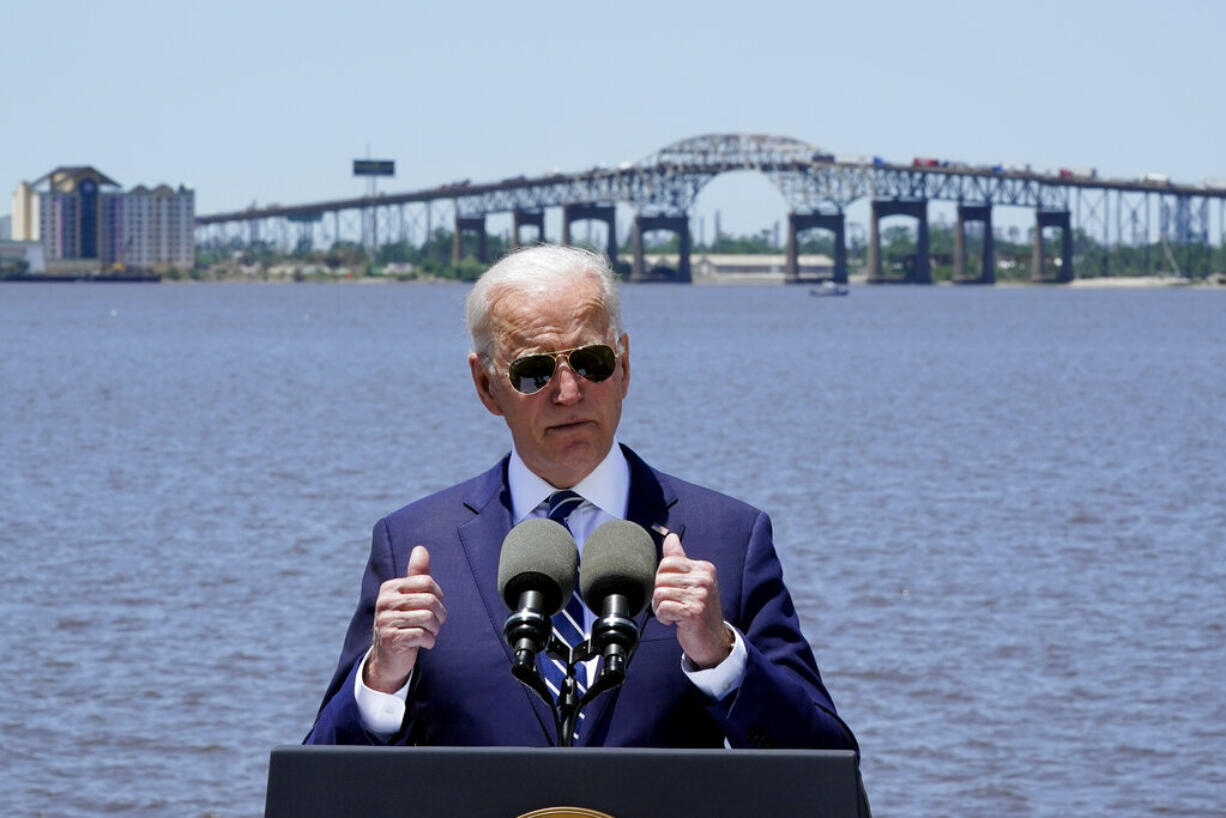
(653, 243)
(348, 254)
(469, 269)
(758, 243)
(13, 267)
(208, 255)
(822, 244)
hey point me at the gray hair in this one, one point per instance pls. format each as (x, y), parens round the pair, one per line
(546, 266)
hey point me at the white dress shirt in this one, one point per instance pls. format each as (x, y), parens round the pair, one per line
(605, 493)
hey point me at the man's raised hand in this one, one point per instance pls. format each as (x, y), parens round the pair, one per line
(408, 615)
(687, 595)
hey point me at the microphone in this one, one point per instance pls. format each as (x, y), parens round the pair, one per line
(536, 574)
(616, 578)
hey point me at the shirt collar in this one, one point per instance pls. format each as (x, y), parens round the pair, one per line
(607, 487)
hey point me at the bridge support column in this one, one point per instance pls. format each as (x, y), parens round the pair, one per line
(676, 224)
(828, 221)
(602, 213)
(1062, 220)
(468, 224)
(974, 213)
(527, 218)
(921, 273)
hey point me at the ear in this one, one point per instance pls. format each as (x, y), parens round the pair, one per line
(484, 382)
(625, 363)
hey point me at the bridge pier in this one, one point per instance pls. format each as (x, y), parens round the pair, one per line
(602, 213)
(827, 221)
(922, 272)
(974, 213)
(468, 224)
(1052, 218)
(676, 224)
(527, 218)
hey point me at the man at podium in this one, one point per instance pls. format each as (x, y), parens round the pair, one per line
(720, 661)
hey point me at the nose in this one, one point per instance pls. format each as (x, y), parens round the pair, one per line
(568, 389)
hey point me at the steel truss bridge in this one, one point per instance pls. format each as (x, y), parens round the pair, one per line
(817, 188)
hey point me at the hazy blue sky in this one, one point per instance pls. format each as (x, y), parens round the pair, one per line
(269, 101)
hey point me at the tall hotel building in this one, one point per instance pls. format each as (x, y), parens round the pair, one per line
(87, 223)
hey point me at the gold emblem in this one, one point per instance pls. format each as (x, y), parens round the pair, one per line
(565, 812)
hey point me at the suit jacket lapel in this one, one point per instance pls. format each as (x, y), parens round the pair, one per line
(650, 502)
(481, 538)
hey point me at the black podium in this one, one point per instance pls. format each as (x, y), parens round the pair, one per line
(508, 782)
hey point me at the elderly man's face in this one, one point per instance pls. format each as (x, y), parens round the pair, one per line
(563, 431)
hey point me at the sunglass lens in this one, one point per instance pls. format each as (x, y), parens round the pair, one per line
(530, 373)
(595, 362)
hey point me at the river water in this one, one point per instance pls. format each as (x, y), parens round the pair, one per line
(1001, 512)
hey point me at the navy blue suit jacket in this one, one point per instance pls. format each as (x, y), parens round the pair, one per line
(462, 690)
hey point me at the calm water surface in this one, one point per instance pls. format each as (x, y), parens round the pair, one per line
(1001, 512)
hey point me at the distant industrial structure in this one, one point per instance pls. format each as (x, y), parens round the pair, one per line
(86, 224)
(817, 187)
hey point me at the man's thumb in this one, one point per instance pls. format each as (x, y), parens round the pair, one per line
(671, 547)
(419, 561)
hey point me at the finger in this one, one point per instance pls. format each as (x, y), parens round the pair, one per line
(669, 602)
(413, 602)
(673, 557)
(419, 562)
(692, 600)
(668, 611)
(683, 575)
(661, 611)
(409, 585)
(671, 547)
(393, 623)
(395, 640)
(682, 593)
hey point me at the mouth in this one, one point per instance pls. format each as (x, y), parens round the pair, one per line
(570, 425)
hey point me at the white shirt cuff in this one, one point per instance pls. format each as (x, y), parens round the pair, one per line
(382, 713)
(717, 682)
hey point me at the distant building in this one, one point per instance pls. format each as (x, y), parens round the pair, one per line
(87, 223)
(6, 228)
(21, 257)
(760, 264)
(747, 268)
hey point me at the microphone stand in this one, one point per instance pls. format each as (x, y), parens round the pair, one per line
(566, 708)
(569, 703)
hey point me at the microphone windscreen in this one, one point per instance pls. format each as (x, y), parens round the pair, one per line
(618, 558)
(538, 555)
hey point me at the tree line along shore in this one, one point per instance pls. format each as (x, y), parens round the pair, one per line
(1094, 263)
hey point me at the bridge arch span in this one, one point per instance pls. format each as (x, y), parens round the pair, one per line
(686, 166)
(734, 150)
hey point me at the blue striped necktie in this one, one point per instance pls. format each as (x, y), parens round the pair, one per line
(568, 622)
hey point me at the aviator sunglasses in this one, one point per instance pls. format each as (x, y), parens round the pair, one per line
(531, 373)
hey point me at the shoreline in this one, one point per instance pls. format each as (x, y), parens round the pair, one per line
(1213, 282)
(1134, 282)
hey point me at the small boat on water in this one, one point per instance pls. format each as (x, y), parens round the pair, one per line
(829, 288)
